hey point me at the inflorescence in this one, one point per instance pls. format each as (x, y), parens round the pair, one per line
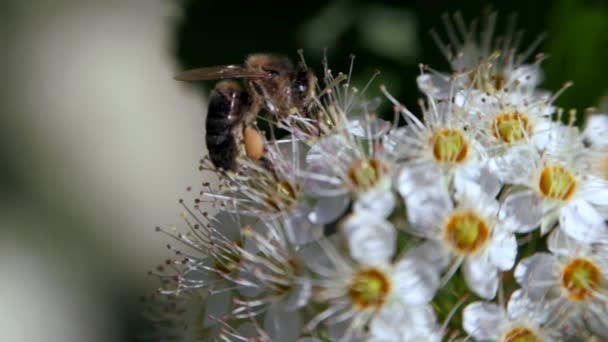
(483, 216)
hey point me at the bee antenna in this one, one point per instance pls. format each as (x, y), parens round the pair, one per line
(302, 59)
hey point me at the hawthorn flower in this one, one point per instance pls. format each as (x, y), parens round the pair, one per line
(571, 282)
(482, 61)
(467, 232)
(344, 165)
(523, 320)
(441, 150)
(272, 190)
(558, 187)
(370, 288)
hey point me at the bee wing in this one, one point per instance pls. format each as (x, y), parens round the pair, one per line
(220, 72)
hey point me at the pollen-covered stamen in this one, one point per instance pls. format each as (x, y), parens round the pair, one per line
(510, 127)
(487, 79)
(466, 232)
(284, 195)
(580, 277)
(369, 288)
(449, 146)
(364, 174)
(520, 334)
(556, 182)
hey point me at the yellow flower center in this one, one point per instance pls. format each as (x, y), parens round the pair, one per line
(466, 232)
(510, 127)
(520, 334)
(449, 146)
(556, 183)
(368, 288)
(580, 278)
(364, 174)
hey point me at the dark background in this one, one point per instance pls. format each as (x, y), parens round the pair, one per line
(97, 142)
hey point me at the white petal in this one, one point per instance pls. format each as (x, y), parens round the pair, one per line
(403, 323)
(482, 177)
(415, 282)
(481, 276)
(420, 176)
(516, 165)
(299, 295)
(329, 209)
(595, 191)
(560, 243)
(484, 321)
(597, 322)
(282, 325)
(522, 211)
(217, 305)
(434, 85)
(596, 130)
(583, 223)
(430, 252)
(427, 209)
(380, 203)
(520, 307)
(555, 139)
(503, 250)
(535, 275)
(369, 130)
(300, 230)
(527, 76)
(371, 239)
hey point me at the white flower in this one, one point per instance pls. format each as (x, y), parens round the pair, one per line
(558, 187)
(373, 289)
(489, 64)
(571, 283)
(468, 232)
(343, 166)
(523, 320)
(434, 152)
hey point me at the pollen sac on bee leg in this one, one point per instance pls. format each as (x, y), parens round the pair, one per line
(254, 143)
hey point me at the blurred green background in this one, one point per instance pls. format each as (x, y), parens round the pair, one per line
(98, 142)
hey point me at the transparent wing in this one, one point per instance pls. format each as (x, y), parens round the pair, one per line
(220, 72)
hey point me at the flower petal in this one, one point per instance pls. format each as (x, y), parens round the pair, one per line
(522, 211)
(515, 166)
(380, 203)
(481, 276)
(403, 323)
(596, 130)
(535, 275)
(484, 321)
(415, 282)
(503, 250)
(431, 252)
(329, 209)
(282, 325)
(583, 223)
(416, 177)
(371, 239)
(520, 307)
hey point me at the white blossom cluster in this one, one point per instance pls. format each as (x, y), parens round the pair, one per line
(481, 217)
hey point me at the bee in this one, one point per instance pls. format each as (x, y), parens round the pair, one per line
(271, 84)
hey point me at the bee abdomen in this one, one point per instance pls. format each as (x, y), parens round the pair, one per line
(227, 103)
